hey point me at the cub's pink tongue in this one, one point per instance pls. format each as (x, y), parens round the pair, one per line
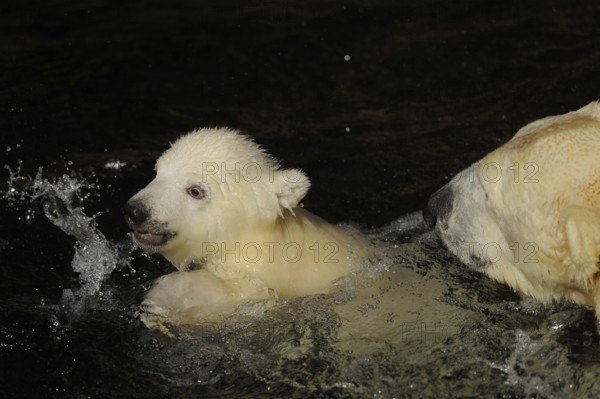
(149, 238)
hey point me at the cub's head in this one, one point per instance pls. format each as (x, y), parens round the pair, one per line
(210, 186)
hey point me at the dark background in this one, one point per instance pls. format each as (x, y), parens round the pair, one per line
(430, 86)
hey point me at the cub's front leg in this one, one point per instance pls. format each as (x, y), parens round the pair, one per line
(195, 297)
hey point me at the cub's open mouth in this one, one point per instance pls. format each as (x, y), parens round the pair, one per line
(151, 239)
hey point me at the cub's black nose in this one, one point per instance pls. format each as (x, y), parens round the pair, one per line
(439, 207)
(135, 213)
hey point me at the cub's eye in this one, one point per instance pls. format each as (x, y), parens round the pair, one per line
(196, 192)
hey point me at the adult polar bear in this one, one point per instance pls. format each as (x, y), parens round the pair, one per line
(528, 214)
(222, 203)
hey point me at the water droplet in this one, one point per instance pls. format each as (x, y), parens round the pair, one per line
(114, 164)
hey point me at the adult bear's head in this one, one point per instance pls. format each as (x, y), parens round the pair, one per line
(528, 213)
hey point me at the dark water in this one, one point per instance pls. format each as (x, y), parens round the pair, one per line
(380, 102)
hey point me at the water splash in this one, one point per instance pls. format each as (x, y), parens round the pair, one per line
(61, 201)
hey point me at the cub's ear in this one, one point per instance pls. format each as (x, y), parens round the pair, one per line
(581, 227)
(291, 185)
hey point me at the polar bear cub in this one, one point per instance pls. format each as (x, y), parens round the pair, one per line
(528, 214)
(225, 214)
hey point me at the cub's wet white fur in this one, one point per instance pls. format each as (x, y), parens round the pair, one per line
(221, 203)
